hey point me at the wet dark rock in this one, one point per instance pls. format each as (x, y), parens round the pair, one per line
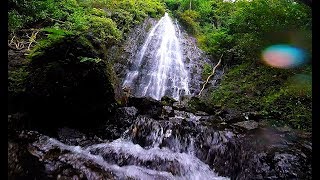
(21, 163)
(125, 115)
(195, 105)
(231, 115)
(167, 111)
(123, 118)
(260, 154)
(74, 137)
(210, 119)
(67, 92)
(146, 106)
(188, 116)
(178, 106)
(248, 125)
(65, 132)
(17, 121)
(201, 113)
(253, 116)
(167, 101)
(143, 129)
(274, 155)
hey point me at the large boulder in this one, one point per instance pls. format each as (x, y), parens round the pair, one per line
(69, 84)
(146, 106)
(123, 118)
(21, 163)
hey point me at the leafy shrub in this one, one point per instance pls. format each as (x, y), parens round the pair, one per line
(189, 19)
(104, 29)
(216, 42)
(15, 20)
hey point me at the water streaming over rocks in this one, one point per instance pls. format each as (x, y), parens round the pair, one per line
(121, 159)
(158, 68)
(129, 157)
(170, 144)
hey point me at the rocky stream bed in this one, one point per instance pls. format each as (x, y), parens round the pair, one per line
(151, 139)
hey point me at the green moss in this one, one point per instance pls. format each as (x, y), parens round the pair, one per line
(207, 70)
(148, 28)
(15, 20)
(16, 80)
(189, 19)
(54, 35)
(284, 95)
(104, 29)
(167, 101)
(84, 59)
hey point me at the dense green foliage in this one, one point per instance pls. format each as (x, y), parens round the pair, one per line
(106, 22)
(96, 24)
(243, 27)
(281, 95)
(67, 76)
(241, 30)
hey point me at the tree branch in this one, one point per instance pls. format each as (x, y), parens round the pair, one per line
(213, 70)
(51, 19)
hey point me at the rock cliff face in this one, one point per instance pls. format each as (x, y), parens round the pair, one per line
(193, 57)
(123, 55)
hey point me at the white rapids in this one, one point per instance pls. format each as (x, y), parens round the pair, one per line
(158, 68)
(126, 160)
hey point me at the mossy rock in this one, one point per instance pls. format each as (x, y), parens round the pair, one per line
(196, 104)
(69, 84)
(167, 101)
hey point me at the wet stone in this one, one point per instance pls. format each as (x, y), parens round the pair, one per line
(249, 125)
(167, 111)
(126, 115)
(201, 113)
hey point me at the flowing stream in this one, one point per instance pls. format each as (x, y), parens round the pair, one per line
(122, 159)
(158, 68)
(147, 150)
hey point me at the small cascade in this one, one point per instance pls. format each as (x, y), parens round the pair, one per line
(148, 149)
(122, 159)
(158, 68)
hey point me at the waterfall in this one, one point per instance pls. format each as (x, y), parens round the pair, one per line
(158, 68)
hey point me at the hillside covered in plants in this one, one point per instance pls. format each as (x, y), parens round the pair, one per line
(241, 31)
(159, 89)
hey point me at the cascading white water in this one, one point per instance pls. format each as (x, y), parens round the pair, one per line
(135, 161)
(158, 69)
